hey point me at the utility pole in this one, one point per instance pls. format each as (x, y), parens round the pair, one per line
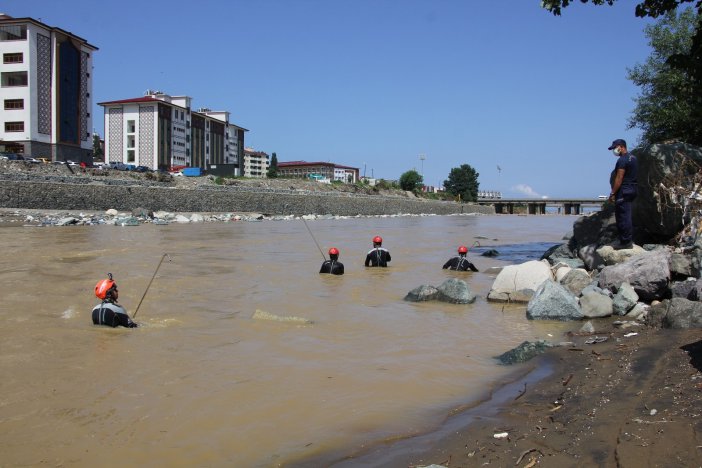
(364, 170)
(422, 157)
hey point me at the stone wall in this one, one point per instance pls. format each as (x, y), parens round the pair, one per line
(97, 197)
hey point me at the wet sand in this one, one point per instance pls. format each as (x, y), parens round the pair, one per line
(629, 401)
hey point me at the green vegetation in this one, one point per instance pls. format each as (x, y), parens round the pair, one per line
(273, 168)
(411, 181)
(463, 181)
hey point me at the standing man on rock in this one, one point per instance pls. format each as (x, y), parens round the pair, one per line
(624, 190)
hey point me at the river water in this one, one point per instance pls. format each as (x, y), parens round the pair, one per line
(201, 383)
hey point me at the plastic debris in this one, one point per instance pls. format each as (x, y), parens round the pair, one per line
(597, 339)
(500, 435)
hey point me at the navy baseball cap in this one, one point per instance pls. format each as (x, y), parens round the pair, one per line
(617, 142)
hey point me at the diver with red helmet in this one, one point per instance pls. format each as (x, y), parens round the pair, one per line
(108, 312)
(460, 262)
(378, 256)
(333, 265)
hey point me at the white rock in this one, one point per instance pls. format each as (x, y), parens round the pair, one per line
(182, 219)
(197, 218)
(111, 212)
(561, 271)
(529, 275)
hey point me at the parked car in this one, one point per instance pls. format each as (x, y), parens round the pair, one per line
(59, 162)
(32, 160)
(142, 169)
(72, 163)
(118, 166)
(14, 157)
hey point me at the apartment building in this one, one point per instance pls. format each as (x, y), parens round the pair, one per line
(161, 131)
(46, 88)
(327, 170)
(256, 163)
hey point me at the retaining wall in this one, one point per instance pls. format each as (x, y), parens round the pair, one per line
(98, 197)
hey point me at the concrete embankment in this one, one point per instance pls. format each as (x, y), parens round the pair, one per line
(65, 196)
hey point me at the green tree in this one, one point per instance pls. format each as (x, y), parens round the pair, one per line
(411, 180)
(273, 168)
(665, 107)
(97, 147)
(463, 181)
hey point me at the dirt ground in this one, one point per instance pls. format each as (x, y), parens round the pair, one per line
(628, 402)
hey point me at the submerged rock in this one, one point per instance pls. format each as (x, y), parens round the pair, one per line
(263, 315)
(524, 352)
(455, 291)
(513, 278)
(422, 293)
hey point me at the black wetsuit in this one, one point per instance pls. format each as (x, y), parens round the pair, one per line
(334, 267)
(112, 315)
(459, 263)
(378, 257)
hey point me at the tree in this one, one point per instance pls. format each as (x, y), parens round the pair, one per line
(664, 109)
(273, 168)
(411, 180)
(463, 181)
(97, 147)
(652, 8)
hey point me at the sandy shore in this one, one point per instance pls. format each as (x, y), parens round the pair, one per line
(630, 401)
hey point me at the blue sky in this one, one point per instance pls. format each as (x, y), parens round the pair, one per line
(375, 83)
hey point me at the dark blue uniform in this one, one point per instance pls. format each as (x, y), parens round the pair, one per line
(112, 314)
(625, 196)
(459, 263)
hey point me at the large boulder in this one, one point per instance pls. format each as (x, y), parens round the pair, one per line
(524, 352)
(422, 293)
(590, 258)
(525, 277)
(685, 265)
(647, 273)
(558, 253)
(686, 289)
(552, 301)
(611, 256)
(676, 313)
(625, 299)
(598, 228)
(576, 280)
(664, 169)
(594, 305)
(455, 291)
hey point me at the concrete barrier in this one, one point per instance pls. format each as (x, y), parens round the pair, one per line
(96, 197)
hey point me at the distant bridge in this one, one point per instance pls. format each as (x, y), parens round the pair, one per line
(538, 205)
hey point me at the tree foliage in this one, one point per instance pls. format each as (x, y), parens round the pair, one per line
(97, 147)
(411, 180)
(665, 107)
(652, 8)
(273, 167)
(463, 181)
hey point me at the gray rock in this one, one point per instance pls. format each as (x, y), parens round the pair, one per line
(67, 221)
(490, 253)
(684, 265)
(422, 293)
(142, 213)
(524, 352)
(521, 296)
(676, 313)
(588, 254)
(685, 289)
(595, 305)
(558, 252)
(182, 219)
(553, 302)
(197, 218)
(598, 228)
(610, 256)
(126, 221)
(592, 287)
(647, 273)
(625, 299)
(638, 312)
(587, 329)
(576, 280)
(455, 291)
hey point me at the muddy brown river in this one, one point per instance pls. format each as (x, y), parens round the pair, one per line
(201, 383)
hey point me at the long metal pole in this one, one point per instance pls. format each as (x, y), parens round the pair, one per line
(315, 240)
(152, 280)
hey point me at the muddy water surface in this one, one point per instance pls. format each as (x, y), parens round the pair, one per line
(201, 383)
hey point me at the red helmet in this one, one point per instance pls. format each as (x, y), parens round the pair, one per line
(463, 249)
(333, 251)
(103, 288)
(377, 240)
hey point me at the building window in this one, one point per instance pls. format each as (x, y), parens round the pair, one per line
(130, 156)
(131, 126)
(14, 126)
(131, 141)
(13, 58)
(13, 32)
(10, 79)
(11, 104)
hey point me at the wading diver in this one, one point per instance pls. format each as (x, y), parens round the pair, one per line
(460, 262)
(378, 256)
(108, 312)
(333, 265)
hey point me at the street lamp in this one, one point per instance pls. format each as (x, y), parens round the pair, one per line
(422, 157)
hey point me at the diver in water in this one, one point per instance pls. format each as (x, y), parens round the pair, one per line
(108, 312)
(333, 265)
(378, 256)
(460, 262)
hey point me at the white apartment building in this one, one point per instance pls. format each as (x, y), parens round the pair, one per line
(256, 163)
(46, 91)
(160, 131)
